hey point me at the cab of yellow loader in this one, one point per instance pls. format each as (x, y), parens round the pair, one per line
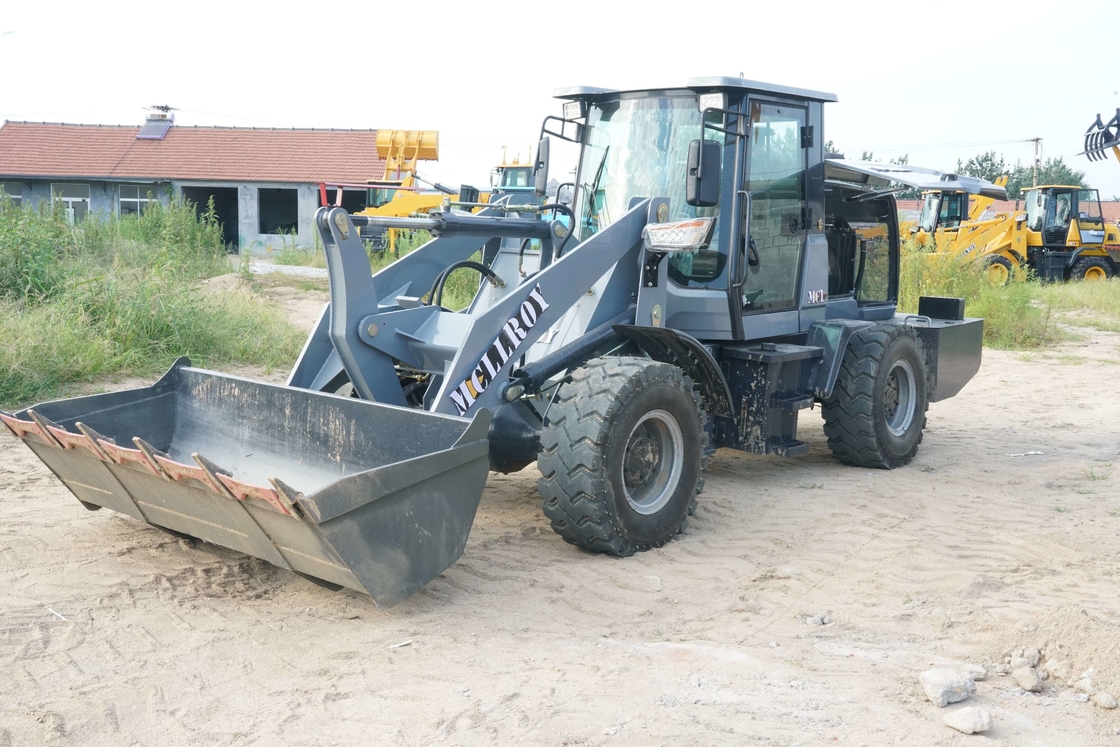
(1065, 236)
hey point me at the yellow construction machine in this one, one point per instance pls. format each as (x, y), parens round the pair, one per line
(1060, 235)
(400, 192)
(512, 176)
(944, 210)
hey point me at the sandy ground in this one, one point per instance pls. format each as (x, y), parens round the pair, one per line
(112, 632)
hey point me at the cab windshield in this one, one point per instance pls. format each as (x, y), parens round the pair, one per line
(379, 196)
(636, 148)
(946, 210)
(931, 207)
(639, 148)
(516, 177)
(1036, 209)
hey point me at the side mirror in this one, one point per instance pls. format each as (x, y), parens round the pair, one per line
(704, 170)
(540, 170)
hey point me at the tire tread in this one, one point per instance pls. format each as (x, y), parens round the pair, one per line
(574, 484)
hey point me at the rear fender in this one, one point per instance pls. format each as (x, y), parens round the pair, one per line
(832, 337)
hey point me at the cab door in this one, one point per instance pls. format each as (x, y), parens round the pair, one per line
(1090, 220)
(775, 176)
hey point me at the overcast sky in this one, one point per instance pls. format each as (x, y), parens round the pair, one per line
(937, 80)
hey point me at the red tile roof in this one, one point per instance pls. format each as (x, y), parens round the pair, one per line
(30, 149)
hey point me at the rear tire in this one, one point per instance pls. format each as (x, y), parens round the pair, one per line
(622, 455)
(1091, 268)
(877, 411)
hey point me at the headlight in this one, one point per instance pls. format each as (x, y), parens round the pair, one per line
(712, 101)
(573, 110)
(680, 236)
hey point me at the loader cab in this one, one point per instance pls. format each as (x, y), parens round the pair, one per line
(764, 269)
(1064, 216)
(381, 193)
(512, 176)
(942, 210)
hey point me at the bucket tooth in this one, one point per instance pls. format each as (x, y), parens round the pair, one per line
(92, 437)
(149, 453)
(287, 496)
(244, 491)
(25, 428)
(175, 470)
(64, 438)
(212, 471)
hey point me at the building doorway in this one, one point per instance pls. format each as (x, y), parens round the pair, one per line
(225, 208)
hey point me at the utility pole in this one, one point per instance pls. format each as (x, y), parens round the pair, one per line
(1034, 175)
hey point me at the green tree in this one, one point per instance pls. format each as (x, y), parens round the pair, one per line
(1050, 171)
(988, 165)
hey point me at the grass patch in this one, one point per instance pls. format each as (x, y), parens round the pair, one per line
(121, 296)
(297, 257)
(1020, 316)
(268, 280)
(1014, 317)
(1097, 471)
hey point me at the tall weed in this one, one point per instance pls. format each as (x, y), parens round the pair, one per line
(1016, 316)
(121, 296)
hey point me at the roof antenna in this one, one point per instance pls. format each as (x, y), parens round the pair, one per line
(741, 74)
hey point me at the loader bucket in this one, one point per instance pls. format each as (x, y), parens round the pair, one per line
(345, 492)
(1101, 137)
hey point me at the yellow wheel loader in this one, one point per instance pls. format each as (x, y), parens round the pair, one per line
(1060, 235)
(399, 193)
(944, 210)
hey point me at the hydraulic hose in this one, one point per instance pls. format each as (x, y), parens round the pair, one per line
(435, 295)
(571, 221)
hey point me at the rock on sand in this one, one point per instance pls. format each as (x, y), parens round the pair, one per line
(945, 686)
(969, 720)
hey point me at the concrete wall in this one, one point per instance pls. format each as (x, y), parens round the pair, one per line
(104, 197)
(105, 201)
(248, 214)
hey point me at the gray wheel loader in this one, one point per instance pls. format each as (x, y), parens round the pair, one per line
(713, 277)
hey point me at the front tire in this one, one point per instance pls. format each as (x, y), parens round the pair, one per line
(1091, 268)
(998, 270)
(877, 411)
(622, 455)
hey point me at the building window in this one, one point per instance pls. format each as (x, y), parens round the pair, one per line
(12, 192)
(135, 197)
(278, 210)
(75, 197)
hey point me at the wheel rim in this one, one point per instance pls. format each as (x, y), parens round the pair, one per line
(653, 462)
(998, 274)
(1096, 273)
(899, 400)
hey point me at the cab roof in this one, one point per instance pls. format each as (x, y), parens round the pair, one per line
(883, 174)
(1055, 186)
(700, 85)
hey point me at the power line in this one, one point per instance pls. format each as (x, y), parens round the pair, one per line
(939, 146)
